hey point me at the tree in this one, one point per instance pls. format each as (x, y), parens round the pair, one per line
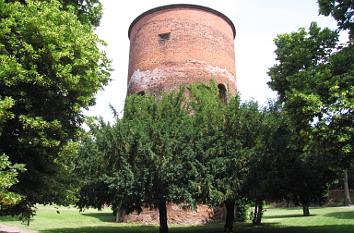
(106, 160)
(258, 185)
(270, 159)
(323, 112)
(190, 128)
(209, 117)
(164, 157)
(145, 159)
(51, 68)
(297, 55)
(306, 173)
(226, 135)
(342, 66)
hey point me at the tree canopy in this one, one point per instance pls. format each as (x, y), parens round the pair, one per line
(50, 69)
(186, 151)
(146, 158)
(314, 80)
(305, 60)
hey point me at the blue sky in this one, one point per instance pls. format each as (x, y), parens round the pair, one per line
(257, 23)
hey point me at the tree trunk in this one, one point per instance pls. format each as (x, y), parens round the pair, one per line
(230, 215)
(255, 213)
(120, 213)
(347, 199)
(305, 210)
(163, 217)
(259, 213)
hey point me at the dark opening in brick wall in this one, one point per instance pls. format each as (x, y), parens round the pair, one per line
(222, 92)
(164, 36)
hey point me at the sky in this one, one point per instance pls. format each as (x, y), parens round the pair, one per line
(257, 23)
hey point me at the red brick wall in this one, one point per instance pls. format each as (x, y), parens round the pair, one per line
(178, 215)
(201, 46)
(337, 195)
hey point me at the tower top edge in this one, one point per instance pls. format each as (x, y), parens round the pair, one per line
(186, 6)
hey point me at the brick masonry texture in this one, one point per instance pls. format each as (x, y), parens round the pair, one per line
(178, 215)
(200, 47)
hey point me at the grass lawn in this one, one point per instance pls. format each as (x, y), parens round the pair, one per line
(69, 220)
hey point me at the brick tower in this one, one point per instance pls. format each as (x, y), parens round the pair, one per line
(181, 44)
(175, 45)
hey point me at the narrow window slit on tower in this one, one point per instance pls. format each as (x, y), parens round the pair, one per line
(222, 93)
(164, 36)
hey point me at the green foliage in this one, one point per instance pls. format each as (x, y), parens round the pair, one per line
(314, 80)
(222, 131)
(317, 110)
(242, 210)
(8, 177)
(50, 69)
(163, 154)
(8, 171)
(5, 104)
(144, 159)
(341, 10)
(87, 11)
(297, 54)
(184, 150)
(208, 121)
(264, 152)
(103, 161)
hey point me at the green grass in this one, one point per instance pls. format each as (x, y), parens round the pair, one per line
(69, 220)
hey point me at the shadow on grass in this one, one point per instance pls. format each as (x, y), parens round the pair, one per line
(277, 228)
(105, 229)
(341, 215)
(103, 217)
(9, 218)
(212, 228)
(288, 216)
(209, 228)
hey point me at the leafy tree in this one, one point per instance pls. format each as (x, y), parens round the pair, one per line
(297, 55)
(50, 68)
(106, 160)
(342, 69)
(165, 160)
(245, 120)
(262, 176)
(271, 159)
(145, 159)
(209, 118)
(322, 112)
(223, 138)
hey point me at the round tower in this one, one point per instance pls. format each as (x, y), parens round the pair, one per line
(181, 44)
